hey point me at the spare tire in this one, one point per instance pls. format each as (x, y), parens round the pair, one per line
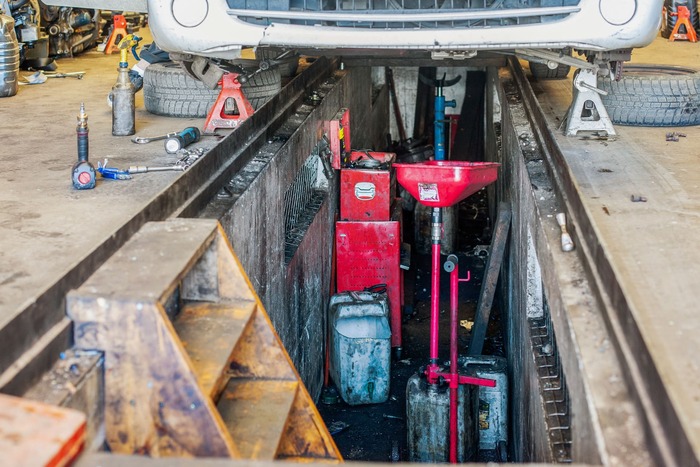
(653, 95)
(168, 90)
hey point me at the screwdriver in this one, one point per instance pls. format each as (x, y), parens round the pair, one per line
(182, 139)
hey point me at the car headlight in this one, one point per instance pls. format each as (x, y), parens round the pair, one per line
(190, 13)
(618, 12)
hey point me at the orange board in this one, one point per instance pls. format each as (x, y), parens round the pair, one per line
(37, 434)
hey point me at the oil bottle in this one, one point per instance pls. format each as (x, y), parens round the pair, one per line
(123, 107)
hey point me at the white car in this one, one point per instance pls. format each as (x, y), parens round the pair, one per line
(221, 28)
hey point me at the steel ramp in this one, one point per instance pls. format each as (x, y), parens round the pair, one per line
(193, 365)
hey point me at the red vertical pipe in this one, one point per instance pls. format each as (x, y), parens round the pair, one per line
(454, 376)
(435, 304)
(436, 234)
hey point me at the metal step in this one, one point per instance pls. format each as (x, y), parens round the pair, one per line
(178, 323)
(256, 413)
(209, 331)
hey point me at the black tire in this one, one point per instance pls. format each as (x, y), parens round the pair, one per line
(288, 66)
(541, 71)
(653, 95)
(168, 90)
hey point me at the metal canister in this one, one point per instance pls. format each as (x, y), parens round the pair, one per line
(9, 57)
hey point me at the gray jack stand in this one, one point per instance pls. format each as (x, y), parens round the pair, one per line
(587, 112)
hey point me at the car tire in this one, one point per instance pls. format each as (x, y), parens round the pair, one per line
(168, 90)
(653, 95)
(541, 71)
(288, 66)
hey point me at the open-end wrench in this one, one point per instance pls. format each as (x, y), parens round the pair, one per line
(72, 74)
(142, 169)
(144, 140)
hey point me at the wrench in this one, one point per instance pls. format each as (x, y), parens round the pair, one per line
(142, 169)
(144, 140)
(73, 74)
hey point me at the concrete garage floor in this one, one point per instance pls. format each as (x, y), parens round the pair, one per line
(47, 229)
(651, 246)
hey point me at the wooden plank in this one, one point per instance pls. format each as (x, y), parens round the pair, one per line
(306, 436)
(151, 265)
(153, 401)
(256, 412)
(260, 354)
(34, 433)
(488, 286)
(209, 333)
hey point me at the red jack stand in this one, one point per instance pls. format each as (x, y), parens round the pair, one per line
(684, 20)
(118, 33)
(220, 115)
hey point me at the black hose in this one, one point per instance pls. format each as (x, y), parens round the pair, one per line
(17, 4)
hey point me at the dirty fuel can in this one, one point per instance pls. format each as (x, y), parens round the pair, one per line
(428, 421)
(9, 57)
(360, 347)
(493, 401)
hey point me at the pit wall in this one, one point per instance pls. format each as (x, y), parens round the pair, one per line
(530, 293)
(296, 293)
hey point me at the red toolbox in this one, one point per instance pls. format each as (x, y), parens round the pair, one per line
(369, 253)
(368, 187)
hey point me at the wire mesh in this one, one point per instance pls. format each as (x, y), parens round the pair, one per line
(553, 390)
(302, 201)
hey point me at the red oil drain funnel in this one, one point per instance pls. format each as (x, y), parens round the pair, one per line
(440, 184)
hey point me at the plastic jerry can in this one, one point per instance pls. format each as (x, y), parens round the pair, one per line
(428, 421)
(360, 347)
(493, 402)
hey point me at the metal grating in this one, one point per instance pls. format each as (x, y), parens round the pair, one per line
(443, 13)
(302, 200)
(553, 390)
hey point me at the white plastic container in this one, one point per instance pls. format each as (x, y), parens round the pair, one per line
(361, 347)
(9, 57)
(493, 402)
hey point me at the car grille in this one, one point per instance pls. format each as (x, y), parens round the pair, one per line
(402, 14)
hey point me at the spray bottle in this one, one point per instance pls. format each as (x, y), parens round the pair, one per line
(123, 108)
(83, 173)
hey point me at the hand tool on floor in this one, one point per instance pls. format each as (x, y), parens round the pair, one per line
(112, 172)
(149, 139)
(142, 169)
(567, 244)
(182, 139)
(72, 74)
(83, 173)
(174, 141)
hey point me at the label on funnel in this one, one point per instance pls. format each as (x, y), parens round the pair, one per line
(428, 192)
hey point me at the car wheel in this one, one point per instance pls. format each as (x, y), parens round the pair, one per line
(653, 95)
(288, 66)
(541, 71)
(168, 90)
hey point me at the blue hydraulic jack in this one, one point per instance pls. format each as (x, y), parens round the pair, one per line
(440, 105)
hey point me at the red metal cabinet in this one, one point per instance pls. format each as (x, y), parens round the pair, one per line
(369, 253)
(367, 194)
